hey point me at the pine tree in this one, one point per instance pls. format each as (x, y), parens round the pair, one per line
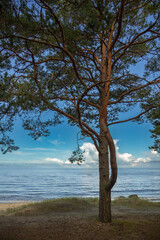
(75, 58)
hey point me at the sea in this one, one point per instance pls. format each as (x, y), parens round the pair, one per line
(36, 182)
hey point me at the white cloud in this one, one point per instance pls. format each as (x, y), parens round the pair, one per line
(59, 162)
(129, 160)
(142, 160)
(54, 160)
(90, 154)
(127, 157)
(154, 157)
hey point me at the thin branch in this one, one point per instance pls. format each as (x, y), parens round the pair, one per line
(155, 32)
(133, 44)
(133, 40)
(134, 89)
(11, 50)
(119, 24)
(74, 66)
(93, 54)
(87, 129)
(133, 118)
(57, 20)
(32, 40)
(140, 6)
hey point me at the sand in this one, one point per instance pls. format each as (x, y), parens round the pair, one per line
(4, 206)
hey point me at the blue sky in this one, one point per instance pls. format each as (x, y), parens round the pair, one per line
(132, 141)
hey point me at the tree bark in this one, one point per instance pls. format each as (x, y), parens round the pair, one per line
(104, 195)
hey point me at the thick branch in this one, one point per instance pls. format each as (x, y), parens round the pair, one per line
(113, 161)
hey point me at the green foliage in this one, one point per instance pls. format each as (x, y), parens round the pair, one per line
(37, 128)
(154, 117)
(7, 144)
(77, 156)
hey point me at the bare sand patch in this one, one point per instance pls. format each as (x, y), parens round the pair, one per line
(5, 206)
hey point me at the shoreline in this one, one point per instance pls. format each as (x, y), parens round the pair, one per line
(150, 199)
(15, 204)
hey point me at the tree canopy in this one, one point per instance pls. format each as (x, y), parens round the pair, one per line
(76, 58)
(53, 48)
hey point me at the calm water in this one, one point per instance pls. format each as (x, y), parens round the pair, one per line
(34, 182)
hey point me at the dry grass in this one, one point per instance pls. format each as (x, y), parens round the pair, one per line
(76, 219)
(56, 206)
(67, 205)
(134, 201)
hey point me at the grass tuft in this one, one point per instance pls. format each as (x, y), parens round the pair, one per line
(135, 202)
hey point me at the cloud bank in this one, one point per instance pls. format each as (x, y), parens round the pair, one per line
(124, 159)
(129, 160)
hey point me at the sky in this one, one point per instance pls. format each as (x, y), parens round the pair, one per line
(131, 139)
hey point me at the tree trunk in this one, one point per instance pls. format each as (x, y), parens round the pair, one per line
(106, 182)
(104, 195)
